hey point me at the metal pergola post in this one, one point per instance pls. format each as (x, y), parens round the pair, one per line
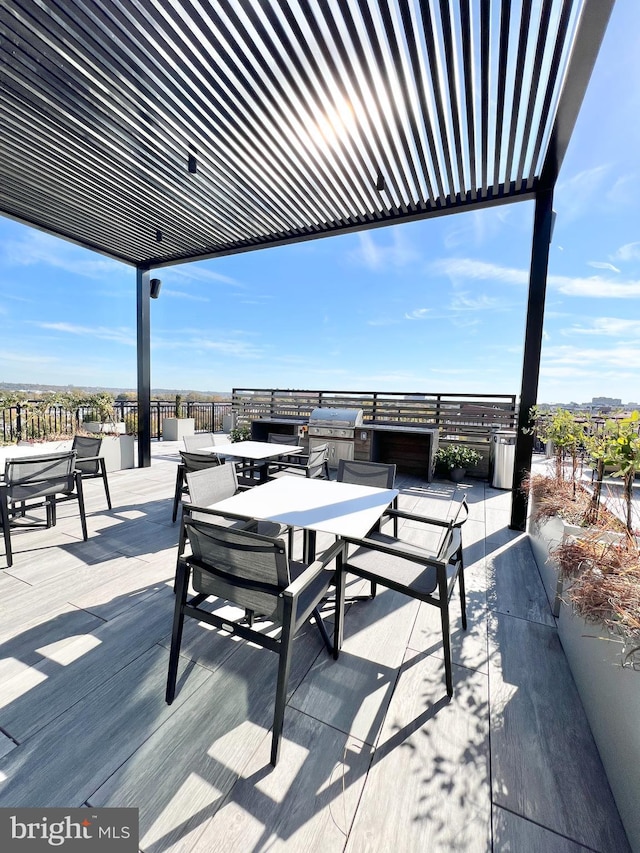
(542, 226)
(143, 314)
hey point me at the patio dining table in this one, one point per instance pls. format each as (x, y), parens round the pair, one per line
(342, 509)
(252, 451)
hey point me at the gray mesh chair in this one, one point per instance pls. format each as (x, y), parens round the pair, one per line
(211, 485)
(254, 573)
(422, 573)
(39, 481)
(189, 463)
(89, 462)
(375, 474)
(290, 440)
(200, 439)
(316, 464)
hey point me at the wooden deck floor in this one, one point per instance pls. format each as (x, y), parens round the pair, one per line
(374, 755)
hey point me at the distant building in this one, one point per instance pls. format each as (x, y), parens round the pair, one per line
(606, 401)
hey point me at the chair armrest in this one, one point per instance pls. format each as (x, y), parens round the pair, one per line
(315, 569)
(427, 519)
(398, 549)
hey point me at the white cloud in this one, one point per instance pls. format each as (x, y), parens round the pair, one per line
(418, 314)
(607, 326)
(121, 336)
(378, 257)
(603, 265)
(580, 359)
(573, 196)
(38, 248)
(628, 252)
(16, 358)
(180, 294)
(594, 286)
(195, 272)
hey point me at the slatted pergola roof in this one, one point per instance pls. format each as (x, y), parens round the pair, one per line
(300, 118)
(163, 131)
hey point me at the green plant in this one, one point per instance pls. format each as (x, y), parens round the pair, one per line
(561, 428)
(623, 451)
(240, 433)
(101, 404)
(452, 456)
(178, 406)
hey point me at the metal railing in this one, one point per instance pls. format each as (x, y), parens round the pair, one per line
(32, 420)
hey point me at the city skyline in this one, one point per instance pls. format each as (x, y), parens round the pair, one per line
(431, 306)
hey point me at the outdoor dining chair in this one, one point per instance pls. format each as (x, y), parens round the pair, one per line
(206, 488)
(316, 464)
(200, 439)
(89, 462)
(380, 475)
(254, 573)
(189, 463)
(39, 481)
(419, 572)
(291, 440)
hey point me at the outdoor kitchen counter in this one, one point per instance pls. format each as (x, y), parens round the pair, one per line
(412, 448)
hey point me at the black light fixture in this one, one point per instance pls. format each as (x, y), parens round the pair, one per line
(158, 236)
(380, 182)
(154, 290)
(193, 164)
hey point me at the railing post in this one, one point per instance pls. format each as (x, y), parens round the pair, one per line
(18, 421)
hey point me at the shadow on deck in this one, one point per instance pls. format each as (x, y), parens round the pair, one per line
(374, 754)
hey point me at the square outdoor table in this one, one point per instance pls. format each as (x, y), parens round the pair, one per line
(343, 509)
(255, 451)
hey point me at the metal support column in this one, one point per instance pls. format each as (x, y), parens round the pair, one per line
(542, 226)
(143, 315)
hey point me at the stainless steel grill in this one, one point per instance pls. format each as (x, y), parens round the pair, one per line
(337, 428)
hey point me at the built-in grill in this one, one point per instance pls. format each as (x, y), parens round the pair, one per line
(337, 428)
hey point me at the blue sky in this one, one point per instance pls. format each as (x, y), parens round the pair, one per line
(437, 306)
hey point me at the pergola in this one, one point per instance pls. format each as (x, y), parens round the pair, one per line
(163, 131)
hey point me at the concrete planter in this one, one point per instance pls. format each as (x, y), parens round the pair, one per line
(175, 429)
(117, 451)
(610, 695)
(544, 536)
(97, 427)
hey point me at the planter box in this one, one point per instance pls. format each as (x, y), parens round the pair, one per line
(610, 695)
(117, 451)
(97, 427)
(175, 429)
(544, 536)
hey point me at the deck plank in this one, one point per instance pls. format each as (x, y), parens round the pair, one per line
(63, 764)
(560, 784)
(514, 584)
(180, 776)
(306, 803)
(428, 787)
(514, 834)
(116, 643)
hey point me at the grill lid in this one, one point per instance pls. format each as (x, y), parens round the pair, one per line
(336, 417)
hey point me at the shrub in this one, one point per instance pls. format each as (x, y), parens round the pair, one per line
(457, 456)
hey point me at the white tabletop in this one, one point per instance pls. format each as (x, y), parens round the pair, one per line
(343, 509)
(251, 450)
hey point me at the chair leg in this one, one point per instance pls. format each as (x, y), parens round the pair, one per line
(103, 470)
(338, 618)
(178, 494)
(83, 517)
(182, 582)
(446, 631)
(463, 593)
(4, 517)
(286, 643)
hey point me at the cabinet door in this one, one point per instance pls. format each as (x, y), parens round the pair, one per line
(337, 449)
